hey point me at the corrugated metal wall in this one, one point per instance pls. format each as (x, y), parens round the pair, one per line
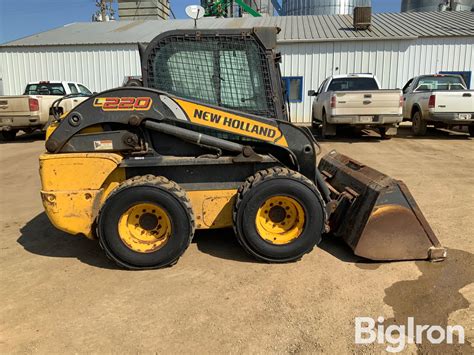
(393, 62)
(104, 67)
(98, 67)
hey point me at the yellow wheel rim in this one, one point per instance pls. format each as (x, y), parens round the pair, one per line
(280, 220)
(145, 228)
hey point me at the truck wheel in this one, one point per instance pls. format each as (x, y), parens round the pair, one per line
(134, 82)
(315, 123)
(471, 130)
(278, 215)
(383, 133)
(327, 129)
(418, 124)
(387, 132)
(146, 223)
(9, 135)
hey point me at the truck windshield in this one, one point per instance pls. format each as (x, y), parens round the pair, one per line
(437, 83)
(353, 84)
(44, 89)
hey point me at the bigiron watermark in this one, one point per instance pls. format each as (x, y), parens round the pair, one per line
(369, 331)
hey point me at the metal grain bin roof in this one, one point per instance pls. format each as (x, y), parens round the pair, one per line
(293, 28)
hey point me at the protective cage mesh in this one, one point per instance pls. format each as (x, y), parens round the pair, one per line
(229, 71)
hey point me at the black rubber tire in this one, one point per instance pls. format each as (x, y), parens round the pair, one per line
(383, 133)
(9, 135)
(315, 123)
(261, 186)
(471, 130)
(324, 127)
(418, 124)
(149, 188)
(134, 83)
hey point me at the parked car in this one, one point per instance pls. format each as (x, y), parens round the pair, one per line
(442, 100)
(356, 100)
(32, 110)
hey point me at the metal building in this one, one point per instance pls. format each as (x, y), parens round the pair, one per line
(398, 47)
(321, 7)
(436, 5)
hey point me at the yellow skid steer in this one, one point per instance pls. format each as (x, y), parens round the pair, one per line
(207, 143)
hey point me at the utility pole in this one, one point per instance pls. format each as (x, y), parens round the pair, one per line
(105, 11)
(103, 8)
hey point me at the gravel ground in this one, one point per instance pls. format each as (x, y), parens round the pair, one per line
(60, 294)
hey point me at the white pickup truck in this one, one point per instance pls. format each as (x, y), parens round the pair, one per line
(32, 110)
(356, 100)
(442, 100)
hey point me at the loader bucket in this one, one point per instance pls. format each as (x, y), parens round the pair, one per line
(375, 214)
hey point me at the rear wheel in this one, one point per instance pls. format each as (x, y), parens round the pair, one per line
(147, 222)
(383, 133)
(134, 82)
(418, 124)
(327, 129)
(278, 215)
(9, 135)
(471, 130)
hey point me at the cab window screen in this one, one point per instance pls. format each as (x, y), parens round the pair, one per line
(222, 71)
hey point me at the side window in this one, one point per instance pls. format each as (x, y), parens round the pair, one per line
(407, 85)
(83, 89)
(321, 86)
(294, 88)
(73, 88)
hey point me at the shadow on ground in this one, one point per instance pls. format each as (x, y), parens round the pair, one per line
(25, 138)
(354, 135)
(40, 237)
(221, 243)
(432, 297)
(434, 134)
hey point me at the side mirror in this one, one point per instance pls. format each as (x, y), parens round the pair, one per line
(311, 93)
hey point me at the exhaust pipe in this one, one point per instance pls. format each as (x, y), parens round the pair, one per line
(375, 214)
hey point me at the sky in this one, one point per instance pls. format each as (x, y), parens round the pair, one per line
(21, 18)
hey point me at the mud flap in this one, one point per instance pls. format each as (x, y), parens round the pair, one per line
(375, 214)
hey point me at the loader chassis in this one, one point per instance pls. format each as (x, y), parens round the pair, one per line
(206, 143)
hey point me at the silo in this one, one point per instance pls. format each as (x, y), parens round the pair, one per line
(436, 5)
(321, 7)
(144, 10)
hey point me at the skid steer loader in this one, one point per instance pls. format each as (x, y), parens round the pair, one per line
(207, 143)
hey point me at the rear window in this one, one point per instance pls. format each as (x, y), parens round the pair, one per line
(445, 83)
(353, 84)
(44, 89)
(83, 89)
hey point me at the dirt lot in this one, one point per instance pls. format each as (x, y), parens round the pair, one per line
(60, 294)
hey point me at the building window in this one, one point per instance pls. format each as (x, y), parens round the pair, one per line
(294, 88)
(465, 74)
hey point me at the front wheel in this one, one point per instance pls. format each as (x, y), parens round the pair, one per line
(146, 223)
(278, 215)
(471, 130)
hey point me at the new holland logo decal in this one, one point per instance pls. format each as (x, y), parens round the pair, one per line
(206, 116)
(123, 103)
